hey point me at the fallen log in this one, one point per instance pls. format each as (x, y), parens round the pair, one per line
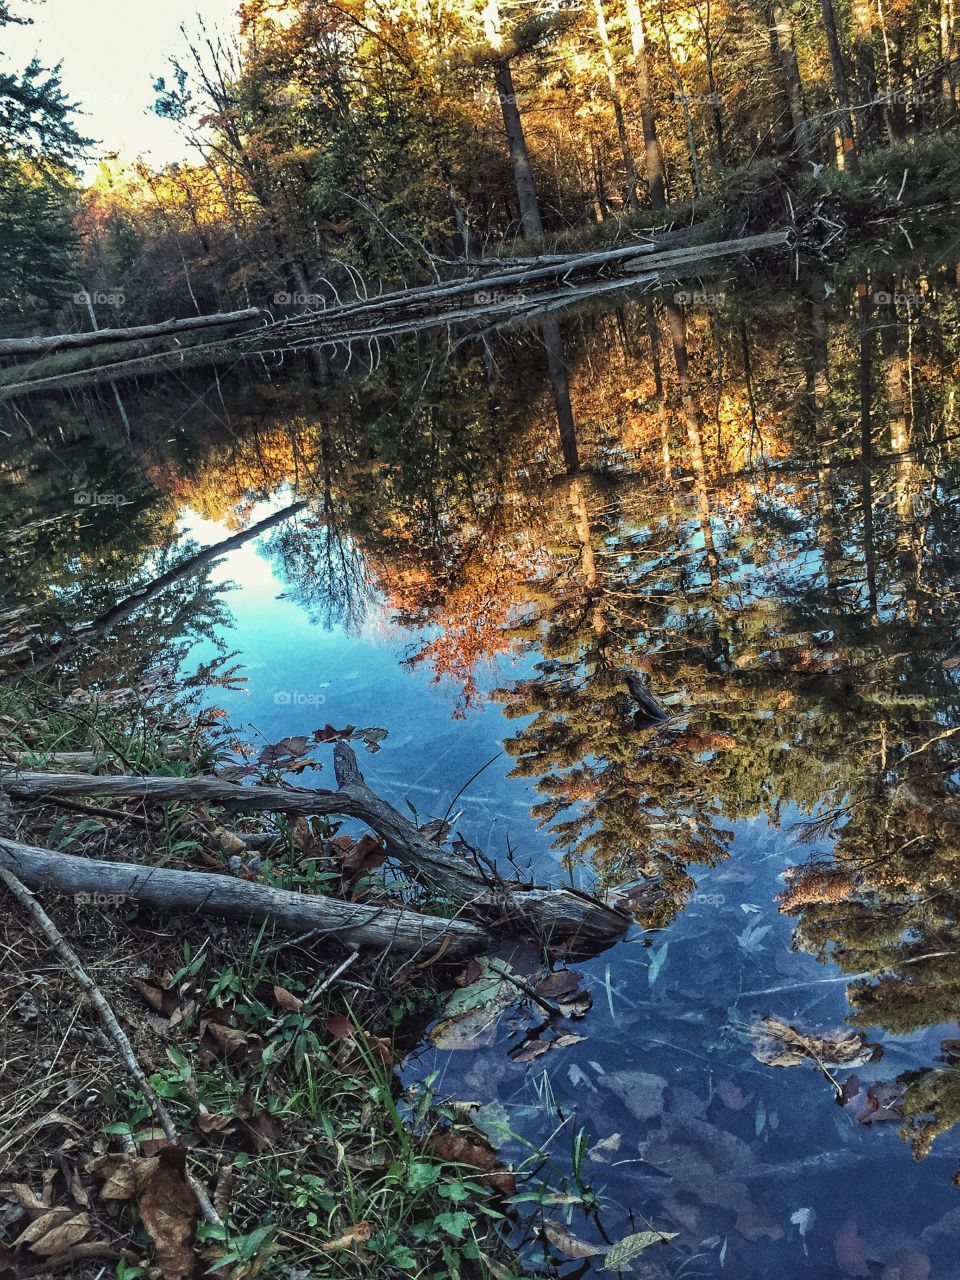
(43, 345)
(362, 925)
(580, 921)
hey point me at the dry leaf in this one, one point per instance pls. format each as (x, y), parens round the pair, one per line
(168, 1210)
(358, 1234)
(287, 1000)
(55, 1231)
(777, 1044)
(567, 1243)
(461, 1149)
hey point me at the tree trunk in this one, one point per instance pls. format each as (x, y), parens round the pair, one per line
(96, 337)
(379, 927)
(781, 25)
(845, 121)
(869, 115)
(519, 155)
(552, 913)
(653, 157)
(560, 385)
(630, 171)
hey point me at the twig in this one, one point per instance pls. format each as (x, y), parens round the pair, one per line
(547, 1007)
(72, 964)
(317, 991)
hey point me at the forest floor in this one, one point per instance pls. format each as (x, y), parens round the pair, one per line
(274, 1056)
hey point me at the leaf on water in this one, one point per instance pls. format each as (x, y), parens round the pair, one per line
(777, 1044)
(621, 1254)
(907, 1264)
(602, 1151)
(848, 1249)
(751, 940)
(556, 985)
(568, 1243)
(461, 1148)
(640, 1091)
(357, 1235)
(284, 751)
(731, 1095)
(657, 958)
(878, 1103)
(472, 1013)
(577, 1006)
(533, 1049)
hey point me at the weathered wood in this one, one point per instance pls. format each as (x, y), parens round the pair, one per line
(43, 345)
(578, 919)
(362, 925)
(81, 761)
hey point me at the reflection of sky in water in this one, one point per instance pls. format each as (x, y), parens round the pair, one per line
(739, 1151)
(301, 676)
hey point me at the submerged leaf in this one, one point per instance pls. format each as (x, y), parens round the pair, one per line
(622, 1253)
(568, 1243)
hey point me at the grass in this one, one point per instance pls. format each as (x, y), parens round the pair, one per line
(289, 1107)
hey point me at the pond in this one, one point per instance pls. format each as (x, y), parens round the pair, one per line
(745, 499)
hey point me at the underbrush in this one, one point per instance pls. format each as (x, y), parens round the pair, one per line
(273, 1055)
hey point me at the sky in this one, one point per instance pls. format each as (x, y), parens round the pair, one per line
(112, 51)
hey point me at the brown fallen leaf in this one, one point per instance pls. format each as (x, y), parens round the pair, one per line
(777, 1044)
(358, 1234)
(878, 1103)
(533, 1049)
(168, 1210)
(568, 1243)
(125, 1175)
(54, 1232)
(230, 1039)
(562, 982)
(213, 1122)
(459, 1148)
(577, 1006)
(287, 1000)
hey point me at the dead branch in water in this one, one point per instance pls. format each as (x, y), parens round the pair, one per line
(563, 914)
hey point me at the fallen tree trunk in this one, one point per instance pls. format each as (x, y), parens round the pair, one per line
(579, 920)
(81, 761)
(362, 925)
(97, 337)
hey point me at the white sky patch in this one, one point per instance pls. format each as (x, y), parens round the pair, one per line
(112, 51)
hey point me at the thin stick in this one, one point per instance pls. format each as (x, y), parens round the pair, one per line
(71, 963)
(317, 990)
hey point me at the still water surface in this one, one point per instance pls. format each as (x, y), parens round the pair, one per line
(768, 538)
